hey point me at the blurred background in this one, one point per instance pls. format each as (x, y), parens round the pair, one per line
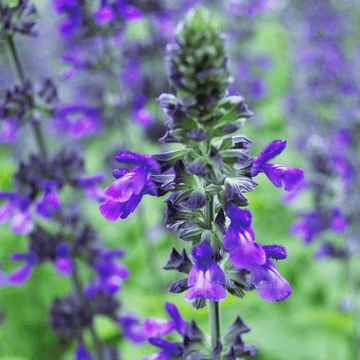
(297, 65)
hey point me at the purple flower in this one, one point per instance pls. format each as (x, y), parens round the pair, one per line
(16, 208)
(270, 285)
(125, 193)
(78, 120)
(170, 349)
(111, 273)
(73, 11)
(82, 353)
(338, 221)
(50, 201)
(89, 183)
(22, 273)
(63, 262)
(131, 329)
(9, 130)
(104, 15)
(206, 277)
(143, 116)
(279, 175)
(155, 327)
(308, 226)
(239, 240)
(129, 12)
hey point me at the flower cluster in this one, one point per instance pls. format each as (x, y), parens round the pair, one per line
(194, 341)
(205, 181)
(325, 72)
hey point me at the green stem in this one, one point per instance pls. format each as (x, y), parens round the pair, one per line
(35, 124)
(42, 146)
(214, 306)
(214, 317)
(16, 58)
(40, 138)
(78, 286)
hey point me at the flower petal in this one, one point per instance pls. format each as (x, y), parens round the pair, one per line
(22, 222)
(131, 183)
(155, 327)
(290, 176)
(112, 210)
(270, 285)
(21, 274)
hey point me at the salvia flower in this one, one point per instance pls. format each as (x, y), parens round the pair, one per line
(22, 273)
(155, 327)
(16, 210)
(82, 353)
(239, 240)
(77, 120)
(50, 201)
(63, 262)
(131, 329)
(125, 193)
(270, 285)
(206, 278)
(308, 226)
(111, 273)
(279, 175)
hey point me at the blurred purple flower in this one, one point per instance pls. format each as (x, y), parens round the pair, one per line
(155, 327)
(143, 116)
(239, 240)
(50, 201)
(337, 221)
(89, 183)
(77, 120)
(9, 130)
(170, 349)
(111, 273)
(72, 9)
(206, 278)
(22, 273)
(82, 353)
(308, 226)
(16, 208)
(279, 175)
(131, 329)
(104, 15)
(63, 263)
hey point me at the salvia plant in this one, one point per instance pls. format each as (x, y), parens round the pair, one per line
(57, 232)
(324, 94)
(205, 180)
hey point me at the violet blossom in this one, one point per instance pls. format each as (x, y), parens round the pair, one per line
(270, 285)
(239, 240)
(125, 193)
(279, 175)
(206, 278)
